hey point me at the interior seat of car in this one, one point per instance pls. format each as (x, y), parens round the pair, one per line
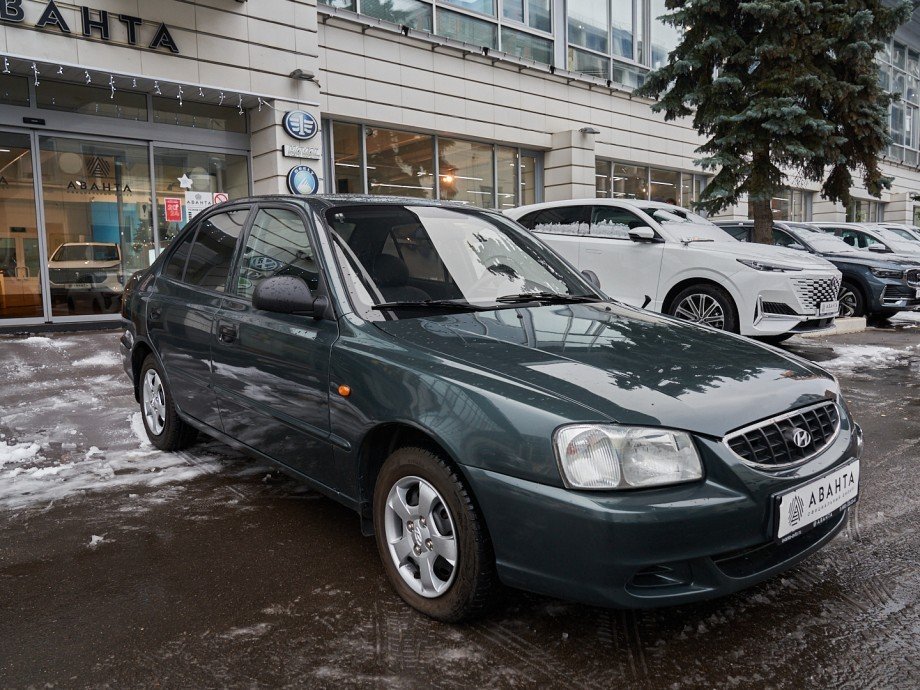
(392, 277)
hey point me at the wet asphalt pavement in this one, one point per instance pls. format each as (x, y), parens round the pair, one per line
(124, 567)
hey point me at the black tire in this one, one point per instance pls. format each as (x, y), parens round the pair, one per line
(852, 301)
(471, 591)
(175, 434)
(706, 291)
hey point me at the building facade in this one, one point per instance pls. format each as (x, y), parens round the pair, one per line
(120, 120)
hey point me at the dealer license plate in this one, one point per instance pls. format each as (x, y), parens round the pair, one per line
(808, 505)
(918, 293)
(829, 308)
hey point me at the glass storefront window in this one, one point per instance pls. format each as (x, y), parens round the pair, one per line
(91, 100)
(864, 210)
(589, 63)
(346, 148)
(527, 46)
(629, 182)
(411, 13)
(528, 180)
(98, 209)
(20, 260)
(468, 29)
(506, 163)
(602, 176)
(14, 90)
(399, 163)
(665, 186)
(790, 204)
(168, 111)
(465, 172)
(204, 174)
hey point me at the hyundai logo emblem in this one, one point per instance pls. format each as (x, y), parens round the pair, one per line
(800, 437)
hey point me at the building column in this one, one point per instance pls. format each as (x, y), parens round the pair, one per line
(827, 211)
(569, 168)
(270, 166)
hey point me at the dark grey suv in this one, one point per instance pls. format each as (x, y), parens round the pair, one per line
(489, 415)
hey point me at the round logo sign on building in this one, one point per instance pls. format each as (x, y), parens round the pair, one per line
(302, 180)
(300, 125)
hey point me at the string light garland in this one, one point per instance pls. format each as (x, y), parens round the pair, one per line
(33, 66)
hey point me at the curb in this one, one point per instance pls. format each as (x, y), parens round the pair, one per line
(841, 327)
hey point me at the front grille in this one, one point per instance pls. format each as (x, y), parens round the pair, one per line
(778, 308)
(913, 277)
(813, 291)
(771, 444)
(62, 276)
(898, 292)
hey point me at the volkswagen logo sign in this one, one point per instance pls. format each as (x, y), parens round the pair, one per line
(801, 437)
(302, 180)
(300, 125)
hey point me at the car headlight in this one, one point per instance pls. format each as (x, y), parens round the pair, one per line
(891, 273)
(607, 456)
(767, 266)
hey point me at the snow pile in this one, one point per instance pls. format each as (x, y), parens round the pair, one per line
(104, 359)
(17, 453)
(867, 356)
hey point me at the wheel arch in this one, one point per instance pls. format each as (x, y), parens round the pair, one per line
(677, 288)
(138, 355)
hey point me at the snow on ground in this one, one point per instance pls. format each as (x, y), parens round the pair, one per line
(907, 319)
(863, 356)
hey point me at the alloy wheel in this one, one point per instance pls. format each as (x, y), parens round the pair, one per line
(153, 402)
(421, 537)
(701, 308)
(848, 302)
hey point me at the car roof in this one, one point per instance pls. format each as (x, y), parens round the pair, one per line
(326, 201)
(588, 201)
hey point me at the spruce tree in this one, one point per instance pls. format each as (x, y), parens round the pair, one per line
(780, 87)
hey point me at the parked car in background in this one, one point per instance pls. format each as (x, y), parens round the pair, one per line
(871, 238)
(488, 413)
(873, 285)
(907, 232)
(671, 260)
(87, 271)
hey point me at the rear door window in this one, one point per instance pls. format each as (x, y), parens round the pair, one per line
(175, 265)
(278, 245)
(212, 252)
(562, 220)
(739, 232)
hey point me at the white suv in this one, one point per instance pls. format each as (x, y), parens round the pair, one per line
(87, 270)
(668, 259)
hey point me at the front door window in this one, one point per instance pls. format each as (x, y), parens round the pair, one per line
(97, 220)
(20, 261)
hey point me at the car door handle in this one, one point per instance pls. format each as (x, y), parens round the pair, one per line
(155, 313)
(593, 251)
(226, 333)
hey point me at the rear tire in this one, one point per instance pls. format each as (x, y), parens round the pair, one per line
(705, 304)
(852, 302)
(424, 518)
(161, 420)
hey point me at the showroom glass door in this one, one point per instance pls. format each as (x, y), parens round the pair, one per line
(20, 259)
(98, 221)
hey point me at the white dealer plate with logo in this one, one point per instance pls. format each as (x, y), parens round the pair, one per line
(829, 308)
(811, 504)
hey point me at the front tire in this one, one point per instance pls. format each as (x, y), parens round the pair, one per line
(705, 304)
(433, 543)
(161, 420)
(852, 302)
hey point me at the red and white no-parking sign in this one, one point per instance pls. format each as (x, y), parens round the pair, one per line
(221, 197)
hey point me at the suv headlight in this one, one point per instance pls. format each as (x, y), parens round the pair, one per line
(607, 456)
(767, 266)
(891, 273)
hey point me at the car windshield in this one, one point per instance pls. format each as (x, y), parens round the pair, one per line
(688, 225)
(86, 252)
(415, 260)
(820, 241)
(902, 233)
(895, 241)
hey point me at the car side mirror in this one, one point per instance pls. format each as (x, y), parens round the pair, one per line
(287, 295)
(592, 278)
(643, 233)
(878, 248)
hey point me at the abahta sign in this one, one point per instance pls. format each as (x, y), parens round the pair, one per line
(94, 24)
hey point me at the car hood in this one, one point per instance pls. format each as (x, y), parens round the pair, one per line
(91, 265)
(869, 259)
(623, 364)
(765, 252)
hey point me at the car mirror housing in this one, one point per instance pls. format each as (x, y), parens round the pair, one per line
(592, 279)
(643, 233)
(879, 248)
(287, 295)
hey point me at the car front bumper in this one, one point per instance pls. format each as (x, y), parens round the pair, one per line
(657, 547)
(774, 304)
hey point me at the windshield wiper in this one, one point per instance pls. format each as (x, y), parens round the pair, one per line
(545, 297)
(688, 240)
(459, 305)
